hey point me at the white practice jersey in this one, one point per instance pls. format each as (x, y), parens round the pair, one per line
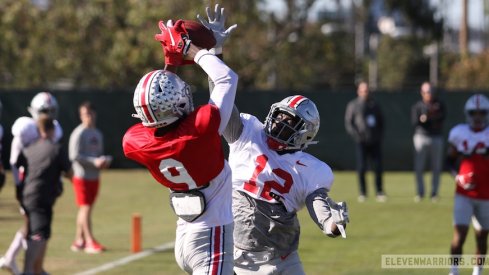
(466, 140)
(24, 131)
(269, 189)
(258, 170)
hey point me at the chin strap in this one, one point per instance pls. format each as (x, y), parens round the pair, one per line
(275, 145)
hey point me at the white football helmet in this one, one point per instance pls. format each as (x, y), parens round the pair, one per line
(477, 103)
(161, 98)
(292, 124)
(43, 102)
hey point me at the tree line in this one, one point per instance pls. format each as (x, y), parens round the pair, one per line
(109, 45)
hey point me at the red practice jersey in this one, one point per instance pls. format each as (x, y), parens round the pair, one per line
(474, 147)
(185, 158)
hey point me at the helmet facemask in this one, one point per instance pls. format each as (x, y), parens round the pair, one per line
(477, 119)
(43, 103)
(291, 128)
(477, 112)
(283, 127)
(51, 112)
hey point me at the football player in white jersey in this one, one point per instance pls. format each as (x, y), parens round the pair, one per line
(24, 132)
(273, 179)
(468, 159)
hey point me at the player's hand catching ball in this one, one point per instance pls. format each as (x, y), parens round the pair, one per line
(174, 40)
(215, 22)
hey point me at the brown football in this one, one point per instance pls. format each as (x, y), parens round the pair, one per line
(199, 34)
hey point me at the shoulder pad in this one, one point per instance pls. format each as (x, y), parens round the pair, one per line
(25, 128)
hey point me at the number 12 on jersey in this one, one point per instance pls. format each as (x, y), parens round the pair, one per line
(254, 186)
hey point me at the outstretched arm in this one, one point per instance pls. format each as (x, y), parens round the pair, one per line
(329, 216)
(234, 127)
(225, 83)
(216, 23)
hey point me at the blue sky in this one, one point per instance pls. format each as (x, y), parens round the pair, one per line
(451, 9)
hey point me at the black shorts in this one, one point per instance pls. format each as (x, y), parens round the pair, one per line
(40, 219)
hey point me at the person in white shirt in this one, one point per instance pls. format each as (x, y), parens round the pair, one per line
(467, 158)
(25, 132)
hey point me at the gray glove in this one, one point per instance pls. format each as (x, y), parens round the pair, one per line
(215, 23)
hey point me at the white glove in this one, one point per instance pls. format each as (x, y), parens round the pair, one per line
(339, 214)
(465, 181)
(215, 23)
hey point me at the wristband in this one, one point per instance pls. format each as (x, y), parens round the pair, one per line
(200, 54)
(216, 51)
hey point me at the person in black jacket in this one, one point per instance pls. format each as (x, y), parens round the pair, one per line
(427, 117)
(365, 124)
(45, 161)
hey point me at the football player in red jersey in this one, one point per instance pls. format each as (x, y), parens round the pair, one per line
(181, 147)
(469, 150)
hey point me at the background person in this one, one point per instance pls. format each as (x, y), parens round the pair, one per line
(86, 150)
(44, 162)
(174, 141)
(469, 162)
(2, 170)
(364, 122)
(427, 117)
(25, 132)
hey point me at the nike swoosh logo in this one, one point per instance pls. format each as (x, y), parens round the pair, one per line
(299, 163)
(284, 257)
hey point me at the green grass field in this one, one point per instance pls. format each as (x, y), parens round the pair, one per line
(398, 226)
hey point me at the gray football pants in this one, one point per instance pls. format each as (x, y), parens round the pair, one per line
(424, 147)
(203, 251)
(263, 263)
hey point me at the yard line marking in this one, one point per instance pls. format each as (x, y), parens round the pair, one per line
(128, 259)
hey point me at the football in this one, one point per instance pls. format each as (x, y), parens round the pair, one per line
(199, 34)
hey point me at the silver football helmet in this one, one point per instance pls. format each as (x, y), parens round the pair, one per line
(43, 102)
(477, 103)
(292, 124)
(161, 98)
